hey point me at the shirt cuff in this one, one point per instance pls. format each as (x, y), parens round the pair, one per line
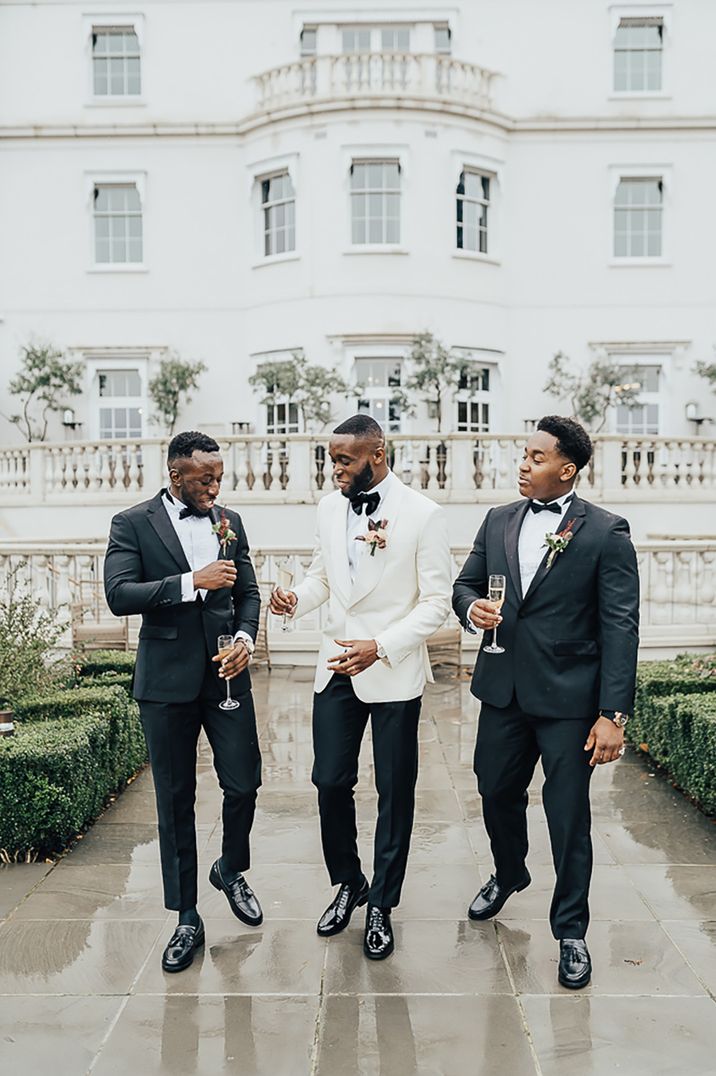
(244, 635)
(188, 593)
(382, 656)
(469, 626)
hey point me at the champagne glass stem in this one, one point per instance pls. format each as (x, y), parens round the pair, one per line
(494, 635)
(228, 690)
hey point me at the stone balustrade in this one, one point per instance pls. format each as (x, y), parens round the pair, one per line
(454, 468)
(678, 579)
(353, 76)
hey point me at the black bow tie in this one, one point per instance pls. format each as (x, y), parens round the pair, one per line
(370, 500)
(553, 506)
(189, 511)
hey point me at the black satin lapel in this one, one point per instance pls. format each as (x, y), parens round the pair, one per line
(512, 537)
(575, 512)
(163, 526)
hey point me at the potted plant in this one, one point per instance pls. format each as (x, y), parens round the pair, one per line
(7, 721)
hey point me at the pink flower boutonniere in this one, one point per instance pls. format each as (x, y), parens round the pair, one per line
(376, 536)
(557, 543)
(224, 533)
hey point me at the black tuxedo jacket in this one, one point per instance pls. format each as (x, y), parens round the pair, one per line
(142, 574)
(571, 641)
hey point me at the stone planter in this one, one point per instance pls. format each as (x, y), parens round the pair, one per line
(7, 723)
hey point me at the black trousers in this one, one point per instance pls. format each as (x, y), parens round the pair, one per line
(509, 743)
(172, 731)
(339, 721)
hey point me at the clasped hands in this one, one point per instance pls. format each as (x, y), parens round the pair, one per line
(358, 655)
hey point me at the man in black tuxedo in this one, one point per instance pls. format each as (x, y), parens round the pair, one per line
(183, 563)
(564, 686)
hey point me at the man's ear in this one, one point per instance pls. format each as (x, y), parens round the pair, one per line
(379, 454)
(569, 471)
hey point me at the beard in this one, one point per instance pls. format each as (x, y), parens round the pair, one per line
(362, 482)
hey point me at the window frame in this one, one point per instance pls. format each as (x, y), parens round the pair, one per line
(106, 21)
(267, 206)
(662, 173)
(387, 354)
(105, 360)
(486, 203)
(661, 11)
(256, 173)
(383, 159)
(116, 179)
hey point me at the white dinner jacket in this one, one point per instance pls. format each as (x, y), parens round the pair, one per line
(399, 596)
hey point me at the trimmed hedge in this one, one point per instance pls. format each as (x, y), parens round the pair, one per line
(679, 733)
(98, 663)
(56, 775)
(688, 674)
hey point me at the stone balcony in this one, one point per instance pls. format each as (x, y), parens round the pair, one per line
(374, 79)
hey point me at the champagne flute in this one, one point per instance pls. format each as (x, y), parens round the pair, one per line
(285, 581)
(225, 646)
(496, 594)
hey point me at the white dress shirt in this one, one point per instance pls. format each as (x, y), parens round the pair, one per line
(201, 547)
(200, 544)
(358, 524)
(531, 546)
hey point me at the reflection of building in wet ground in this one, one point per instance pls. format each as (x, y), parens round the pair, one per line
(80, 942)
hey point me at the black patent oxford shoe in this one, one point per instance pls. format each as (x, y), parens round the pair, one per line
(378, 942)
(182, 945)
(492, 897)
(575, 963)
(241, 897)
(338, 914)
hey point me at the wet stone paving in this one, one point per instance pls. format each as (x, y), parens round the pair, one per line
(81, 940)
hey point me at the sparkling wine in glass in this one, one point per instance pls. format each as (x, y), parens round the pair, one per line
(285, 581)
(225, 646)
(496, 594)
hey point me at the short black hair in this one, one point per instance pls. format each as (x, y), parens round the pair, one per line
(361, 426)
(184, 444)
(573, 441)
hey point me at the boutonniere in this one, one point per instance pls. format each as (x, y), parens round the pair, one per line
(557, 543)
(223, 532)
(376, 536)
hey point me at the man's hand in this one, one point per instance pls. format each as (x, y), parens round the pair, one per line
(359, 655)
(283, 602)
(218, 574)
(235, 663)
(484, 615)
(607, 739)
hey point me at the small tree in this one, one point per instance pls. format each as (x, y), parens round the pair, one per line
(175, 379)
(435, 372)
(707, 370)
(593, 392)
(307, 386)
(46, 378)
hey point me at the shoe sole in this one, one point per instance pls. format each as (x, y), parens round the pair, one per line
(579, 985)
(183, 967)
(331, 933)
(480, 917)
(247, 919)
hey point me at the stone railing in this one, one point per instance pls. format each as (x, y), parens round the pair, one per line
(371, 75)
(296, 468)
(678, 582)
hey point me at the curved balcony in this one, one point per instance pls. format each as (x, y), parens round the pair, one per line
(375, 79)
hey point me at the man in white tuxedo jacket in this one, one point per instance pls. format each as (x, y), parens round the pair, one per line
(382, 562)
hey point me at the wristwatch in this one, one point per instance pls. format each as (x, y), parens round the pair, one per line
(248, 643)
(616, 716)
(381, 651)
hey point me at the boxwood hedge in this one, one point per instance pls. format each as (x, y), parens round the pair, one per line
(675, 722)
(69, 752)
(99, 663)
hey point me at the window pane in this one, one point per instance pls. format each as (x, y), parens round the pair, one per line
(442, 39)
(308, 42)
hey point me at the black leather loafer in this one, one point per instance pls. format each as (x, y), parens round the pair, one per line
(241, 897)
(378, 942)
(182, 945)
(492, 897)
(575, 963)
(338, 914)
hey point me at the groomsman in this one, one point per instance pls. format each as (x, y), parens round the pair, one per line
(382, 563)
(564, 687)
(183, 563)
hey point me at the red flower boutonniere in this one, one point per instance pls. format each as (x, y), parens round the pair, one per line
(376, 536)
(557, 543)
(224, 533)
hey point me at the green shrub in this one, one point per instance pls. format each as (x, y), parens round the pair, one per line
(72, 702)
(55, 775)
(29, 634)
(104, 662)
(679, 732)
(688, 674)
